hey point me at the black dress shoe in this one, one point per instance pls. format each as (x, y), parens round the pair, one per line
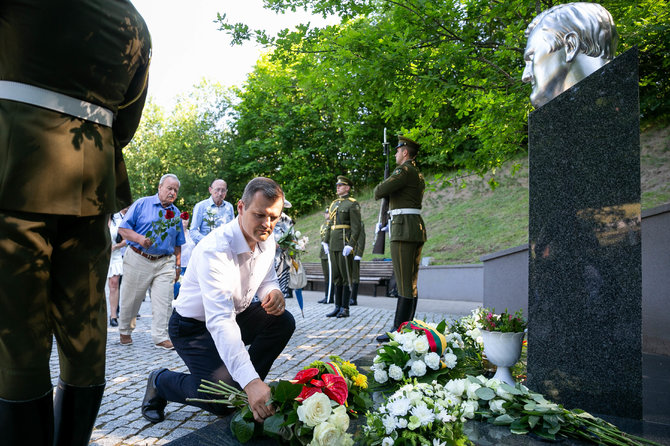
(153, 404)
(383, 338)
(334, 313)
(323, 301)
(353, 303)
(344, 312)
(113, 322)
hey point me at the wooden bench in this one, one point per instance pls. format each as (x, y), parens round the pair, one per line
(375, 273)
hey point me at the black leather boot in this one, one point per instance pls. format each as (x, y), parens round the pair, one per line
(405, 310)
(416, 301)
(75, 410)
(344, 311)
(354, 295)
(338, 301)
(331, 298)
(384, 337)
(28, 423)
(153, 405)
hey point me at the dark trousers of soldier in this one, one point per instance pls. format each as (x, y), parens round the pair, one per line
(342, 268)
(406, 257)
(52, 277)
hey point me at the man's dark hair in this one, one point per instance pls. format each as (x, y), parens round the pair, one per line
(268, 187)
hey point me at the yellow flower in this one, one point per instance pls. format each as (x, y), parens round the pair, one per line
(361, 381)
(348, 368)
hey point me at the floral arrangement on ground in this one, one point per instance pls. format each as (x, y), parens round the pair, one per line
(313, 408)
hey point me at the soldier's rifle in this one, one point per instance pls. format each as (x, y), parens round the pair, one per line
(380, 236)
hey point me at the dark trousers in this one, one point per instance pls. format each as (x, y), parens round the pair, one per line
(265, 335)
(52, 278)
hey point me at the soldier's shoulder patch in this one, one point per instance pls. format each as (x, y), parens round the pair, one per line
(398, 170)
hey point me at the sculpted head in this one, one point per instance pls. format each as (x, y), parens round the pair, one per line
(565, 44)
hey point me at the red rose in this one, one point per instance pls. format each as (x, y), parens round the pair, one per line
(184, 215)
(304, 376)
(169, 214)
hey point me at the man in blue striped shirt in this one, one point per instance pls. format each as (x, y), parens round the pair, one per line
(212, 212)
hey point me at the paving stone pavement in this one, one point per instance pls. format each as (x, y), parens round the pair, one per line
(120, 421)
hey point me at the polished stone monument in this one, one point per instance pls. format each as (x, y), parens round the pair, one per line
(584, 303)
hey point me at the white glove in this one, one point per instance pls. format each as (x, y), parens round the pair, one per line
(379, 228)
(325, 247)
(347, 250)
(357, 258)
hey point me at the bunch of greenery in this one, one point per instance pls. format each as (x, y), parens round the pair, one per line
(504, 322)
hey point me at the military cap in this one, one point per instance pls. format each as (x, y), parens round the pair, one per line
(405, 141)
(341, 179)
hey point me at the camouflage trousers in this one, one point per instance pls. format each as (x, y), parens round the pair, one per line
(52, 276)
(406, 257)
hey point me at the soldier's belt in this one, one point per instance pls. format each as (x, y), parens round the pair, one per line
(340, 227)
(405, 211)
(51, 100)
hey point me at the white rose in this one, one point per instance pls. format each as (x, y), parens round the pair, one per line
(497, 406)
(387, 441)
(402, 423)
(421, 345)
(326, 434)
(456, 386)
(418, 368)
(450, 360)
(340, 418)
(314, 410)
(471, 389)
(381, 376)
(395, 372)
(469, 407)
(432, 360)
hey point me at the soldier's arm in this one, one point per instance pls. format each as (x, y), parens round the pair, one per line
(397, 180)
(356, 223)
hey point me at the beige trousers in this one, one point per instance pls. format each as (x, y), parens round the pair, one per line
(139, 275)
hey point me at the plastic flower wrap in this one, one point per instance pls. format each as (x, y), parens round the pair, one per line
(425, 352)
(417, 413)
(293, 242)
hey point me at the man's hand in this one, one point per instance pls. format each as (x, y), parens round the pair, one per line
(178, 268)
(273, 304)
(259, 394)
(347, 250)
(378, 228)
(145, 242)
(325, 247)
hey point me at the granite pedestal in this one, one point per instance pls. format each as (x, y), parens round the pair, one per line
(584, 303)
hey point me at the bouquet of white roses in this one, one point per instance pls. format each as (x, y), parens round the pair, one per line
(524, 411)
(422, 351)
(417, 413)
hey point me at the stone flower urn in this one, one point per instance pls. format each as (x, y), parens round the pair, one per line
(503, 350)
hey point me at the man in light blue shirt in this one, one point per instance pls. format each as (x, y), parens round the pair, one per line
(212, 212)
(153, 260)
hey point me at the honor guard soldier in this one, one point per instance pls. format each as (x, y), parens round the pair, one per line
(344, 228)
(407, 231)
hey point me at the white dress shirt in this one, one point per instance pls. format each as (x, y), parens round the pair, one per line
(222, 278)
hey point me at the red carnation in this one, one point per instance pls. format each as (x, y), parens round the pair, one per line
(305, 376)
(184, 215)
(169, 214)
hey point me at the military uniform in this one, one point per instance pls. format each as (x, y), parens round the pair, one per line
(344, 228)
(61, 174)
(404, 188)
